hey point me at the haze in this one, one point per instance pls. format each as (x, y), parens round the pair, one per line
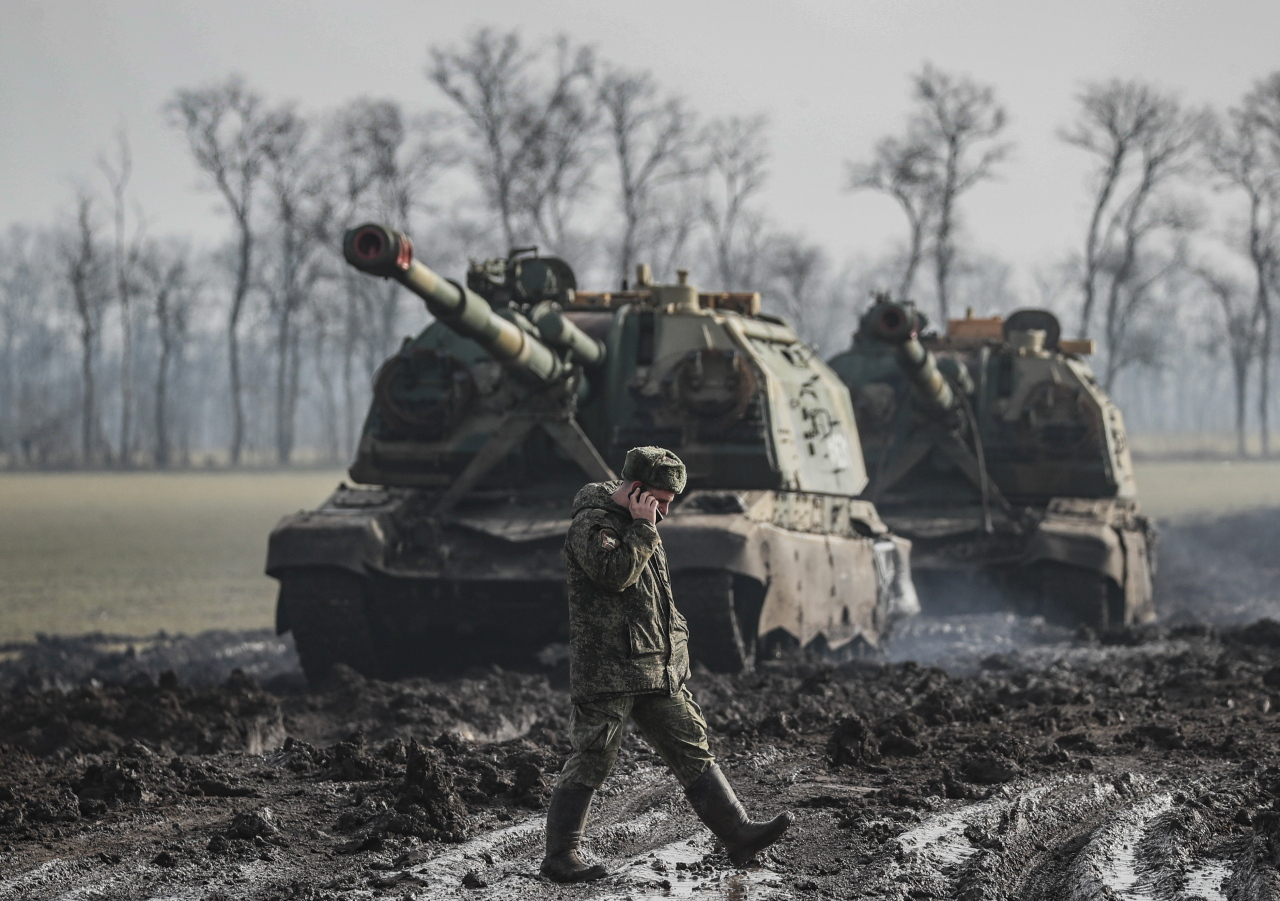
(832, 77)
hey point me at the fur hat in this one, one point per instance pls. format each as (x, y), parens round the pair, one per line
(657, 467)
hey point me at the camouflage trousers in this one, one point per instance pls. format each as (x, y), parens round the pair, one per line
(673, 725)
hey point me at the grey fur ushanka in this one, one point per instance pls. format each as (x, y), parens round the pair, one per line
(625, 634)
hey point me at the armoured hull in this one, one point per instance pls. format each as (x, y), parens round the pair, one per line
(1077, 562)
(367, 581)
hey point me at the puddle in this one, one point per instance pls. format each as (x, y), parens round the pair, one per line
(1205, 881)
(506, 861)
(659, 874)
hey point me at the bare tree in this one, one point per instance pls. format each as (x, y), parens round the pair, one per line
(166, 269)
(386, 166)
(40, 400)
(797, 269)
(1244, 150)
(951, 144)
(487, 80)
(1134, 330)
(17, 290)
(386, 163)
(326, 315)
(906, 170)
(533, 162)
(562, 169)
(125, 253)
(960, 121)
(301, 214)
(1114, 118)
(1145, 140)
(1240, 320)
(82, 267)
(736, 169)
(651, 140)
(229, 131)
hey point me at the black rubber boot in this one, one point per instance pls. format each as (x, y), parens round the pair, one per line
(566, 820)
(717, 806)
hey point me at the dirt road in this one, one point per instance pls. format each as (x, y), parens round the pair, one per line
(986, 757)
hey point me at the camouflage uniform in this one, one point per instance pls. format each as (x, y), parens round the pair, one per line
(629, 655)
(629, 658)
(625, 634)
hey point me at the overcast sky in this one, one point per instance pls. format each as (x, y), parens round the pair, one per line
(832, 75)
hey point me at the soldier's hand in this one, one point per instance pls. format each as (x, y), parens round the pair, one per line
(643, 505)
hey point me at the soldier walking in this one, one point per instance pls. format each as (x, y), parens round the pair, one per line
(629, 658)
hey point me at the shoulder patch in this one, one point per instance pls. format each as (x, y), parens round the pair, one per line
(608, 539)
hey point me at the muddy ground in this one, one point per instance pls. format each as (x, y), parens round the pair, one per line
(983, 758)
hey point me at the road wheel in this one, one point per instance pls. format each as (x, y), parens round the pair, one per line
(716, 637)
(326, 610)
(1072, 596)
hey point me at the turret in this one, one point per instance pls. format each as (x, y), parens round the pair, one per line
(523, 346)
(899, 325)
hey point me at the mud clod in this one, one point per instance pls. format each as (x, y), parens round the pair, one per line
(428, 805)
(1024, 767)
(989, 769)
(91, 719)
(109, 784)
(853, 742)
(253, 824)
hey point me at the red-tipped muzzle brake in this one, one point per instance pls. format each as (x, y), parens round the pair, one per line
(378, 250)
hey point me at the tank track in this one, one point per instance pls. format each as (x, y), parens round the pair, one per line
(1071, 596)
(326, 609)
(717, 639)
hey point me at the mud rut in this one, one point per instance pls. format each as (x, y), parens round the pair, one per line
(985, 758)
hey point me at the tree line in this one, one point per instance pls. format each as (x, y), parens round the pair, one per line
(126, 348)
(1177, 271)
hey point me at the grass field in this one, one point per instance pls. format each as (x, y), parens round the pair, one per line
(182, 552)
(1183, 490)
(138, 552)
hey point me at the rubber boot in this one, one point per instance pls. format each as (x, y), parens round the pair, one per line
(717, 806)
(566, 820)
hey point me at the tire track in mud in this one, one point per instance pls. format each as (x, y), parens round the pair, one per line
(673, 870)
(1073, 839)
(1144, 765)
(652, 846)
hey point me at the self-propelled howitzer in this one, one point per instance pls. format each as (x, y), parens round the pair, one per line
(996, 451)
(447, 551)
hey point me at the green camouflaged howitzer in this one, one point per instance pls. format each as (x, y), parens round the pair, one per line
(993, 449)
(447, 551)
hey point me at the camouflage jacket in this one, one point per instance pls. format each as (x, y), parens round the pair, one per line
(625, 634)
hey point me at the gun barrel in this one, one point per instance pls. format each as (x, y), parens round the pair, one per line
(899, 325)
(385, 252)
(557, 329)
